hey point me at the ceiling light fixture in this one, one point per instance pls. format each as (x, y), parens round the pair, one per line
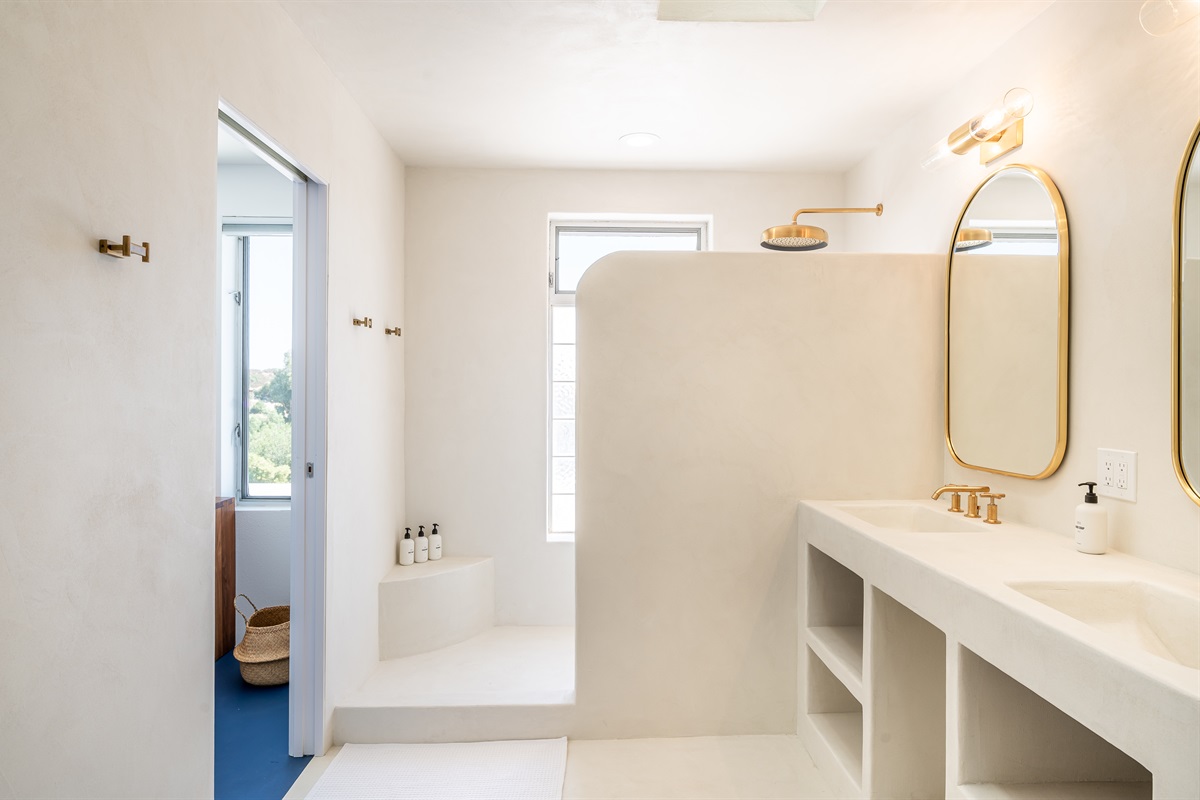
(640, 139)
(996, 132)
(1160, 17)
(807, 237)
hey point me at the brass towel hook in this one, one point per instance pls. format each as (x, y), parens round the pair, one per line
(392, 331)
(365, 322)
(125, 249)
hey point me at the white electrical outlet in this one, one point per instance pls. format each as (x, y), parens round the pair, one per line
(1116, 471)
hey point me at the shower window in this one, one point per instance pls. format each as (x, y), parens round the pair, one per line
(575, 246)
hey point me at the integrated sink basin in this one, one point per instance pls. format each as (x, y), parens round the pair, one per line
(1159, 621)
(911, 517)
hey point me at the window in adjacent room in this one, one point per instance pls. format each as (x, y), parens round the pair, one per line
(263, 255)
(575, 246)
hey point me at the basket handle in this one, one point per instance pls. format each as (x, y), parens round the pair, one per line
(239, 611)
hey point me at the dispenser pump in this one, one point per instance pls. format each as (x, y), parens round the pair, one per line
(1091, 523)
(421, 530)
(408, 533)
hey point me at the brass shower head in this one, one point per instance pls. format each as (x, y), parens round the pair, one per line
(807, 237)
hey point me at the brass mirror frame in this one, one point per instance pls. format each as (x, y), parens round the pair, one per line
(1189, 157)
(1064, 285)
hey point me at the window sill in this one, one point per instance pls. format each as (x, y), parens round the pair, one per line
(263, 504)
(564, 538)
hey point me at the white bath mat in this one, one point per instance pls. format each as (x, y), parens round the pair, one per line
(528, 770)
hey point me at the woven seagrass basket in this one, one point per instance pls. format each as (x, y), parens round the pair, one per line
(263, 651)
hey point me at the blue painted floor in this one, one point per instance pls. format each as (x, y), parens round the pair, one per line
(252, 762)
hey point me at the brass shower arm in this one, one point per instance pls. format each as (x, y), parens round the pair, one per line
(877, 211)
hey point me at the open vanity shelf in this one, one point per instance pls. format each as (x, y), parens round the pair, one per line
(913, 683)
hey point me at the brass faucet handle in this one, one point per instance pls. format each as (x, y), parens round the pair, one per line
(993, 510)
(973, 493)
(955, 502)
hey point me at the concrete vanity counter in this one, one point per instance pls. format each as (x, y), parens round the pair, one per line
(971, 687)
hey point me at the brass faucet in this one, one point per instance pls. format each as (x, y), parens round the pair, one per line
(993, 512)
(955, 491)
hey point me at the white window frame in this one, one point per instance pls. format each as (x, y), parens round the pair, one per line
(701, 224)
(241, 229)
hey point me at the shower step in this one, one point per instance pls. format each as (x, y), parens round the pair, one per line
(505, 683)
(424, 607)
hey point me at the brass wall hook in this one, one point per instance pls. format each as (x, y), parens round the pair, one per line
(392, 331)
(125, 249)
(365, 322)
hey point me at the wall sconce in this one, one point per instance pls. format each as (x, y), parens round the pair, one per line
(1160, 17)
(996, 132)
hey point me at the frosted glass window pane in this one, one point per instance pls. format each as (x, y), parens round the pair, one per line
(564, 401)
(562, 513)
(578, 250)
(562, 479)
(563, 440)
(564, 362)
(563, 324)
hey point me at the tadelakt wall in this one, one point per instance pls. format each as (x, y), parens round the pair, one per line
(1114, 108)
(477, 247)
(109, 384)
(715, 391)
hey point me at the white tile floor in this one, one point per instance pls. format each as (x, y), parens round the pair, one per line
(701, 768)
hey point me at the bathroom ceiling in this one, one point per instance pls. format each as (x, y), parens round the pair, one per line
(554, 83)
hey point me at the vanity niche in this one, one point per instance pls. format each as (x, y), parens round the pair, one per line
(918, 683)
(1006, 327)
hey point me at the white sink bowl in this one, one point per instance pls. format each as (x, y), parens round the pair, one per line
(911, 517)
(1159, 621)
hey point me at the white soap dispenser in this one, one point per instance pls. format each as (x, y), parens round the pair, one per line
(422, 545)
(407, 548)
(1091, 523)
(435, 544)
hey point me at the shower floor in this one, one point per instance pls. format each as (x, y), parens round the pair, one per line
(501, 666)
(506, 683)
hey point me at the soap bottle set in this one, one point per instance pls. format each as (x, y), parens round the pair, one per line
(421, 549)
(1091, 523)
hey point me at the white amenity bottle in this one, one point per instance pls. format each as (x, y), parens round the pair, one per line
(407, 548)
(422, 545)
(1091, 523)
(435, 544)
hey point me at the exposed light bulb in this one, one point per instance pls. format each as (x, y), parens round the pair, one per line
(1017, 104)
(1160, 17)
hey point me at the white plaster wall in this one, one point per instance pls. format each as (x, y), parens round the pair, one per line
(245, 190)
(109, 377)
(477, 370)
(1114, 109)
(715, 391)
(263, 558)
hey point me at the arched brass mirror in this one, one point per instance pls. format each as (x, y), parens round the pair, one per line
(1186, 350)
(1006, 327)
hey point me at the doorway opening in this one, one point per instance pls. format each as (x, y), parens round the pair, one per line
(270, 459)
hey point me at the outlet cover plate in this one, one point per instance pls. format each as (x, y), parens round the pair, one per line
(1116, 474)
